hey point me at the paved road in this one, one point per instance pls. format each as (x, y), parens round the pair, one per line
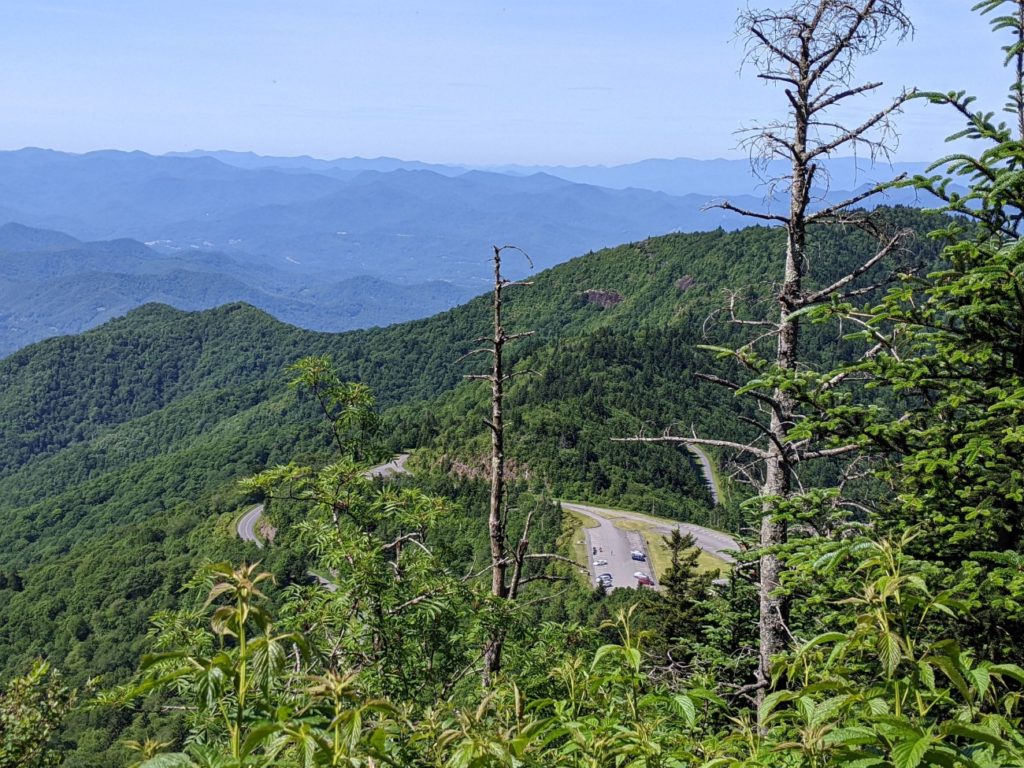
(606, 542)
(394, 467)
(247, 523)
(709, 476)
(615, 545)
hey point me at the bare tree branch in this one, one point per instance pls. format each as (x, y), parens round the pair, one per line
(826, 452)
(727, 206)
(827, 99)
(738, 447)
(832, 210)
(817, 296)
(768, 400)
(414, 537)
(855, 135)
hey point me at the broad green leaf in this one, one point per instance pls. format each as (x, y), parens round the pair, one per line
(908, 754)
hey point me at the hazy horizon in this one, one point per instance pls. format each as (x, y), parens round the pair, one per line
(460, 82)
(453, 163)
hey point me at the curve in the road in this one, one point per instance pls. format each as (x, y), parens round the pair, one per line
(709, 475)
(247, 523)
(615, 545)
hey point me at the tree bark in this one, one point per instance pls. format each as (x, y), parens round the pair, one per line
(497, 522)
(495, 516)
(809, 49)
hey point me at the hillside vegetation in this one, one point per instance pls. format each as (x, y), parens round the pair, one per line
(121, 448)
(864, 382)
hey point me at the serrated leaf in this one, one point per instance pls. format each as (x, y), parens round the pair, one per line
(605, 650)
(686, 707)
(878, 706)
(889, 653)
(981, 679)
(771, 701)
(908, 754)
(927, 675)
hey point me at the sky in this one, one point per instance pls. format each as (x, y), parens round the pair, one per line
(453, 81)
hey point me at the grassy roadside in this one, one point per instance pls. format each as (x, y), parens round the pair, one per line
(574, 539)
(227, 524)
(661, 558)
(614, 513)
(723, 488)
(649, 528)
(582, 520)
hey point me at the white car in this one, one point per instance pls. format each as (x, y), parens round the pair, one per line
(600, 562)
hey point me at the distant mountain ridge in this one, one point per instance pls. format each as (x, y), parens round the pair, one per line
(19, 238)
(408, 222)
(674, 176)
(53, 284)
(276, 232)
(341, 167)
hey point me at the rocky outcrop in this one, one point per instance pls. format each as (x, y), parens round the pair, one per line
(603, 299)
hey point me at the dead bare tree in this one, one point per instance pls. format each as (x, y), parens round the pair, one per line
(810, 49)
(497, 514)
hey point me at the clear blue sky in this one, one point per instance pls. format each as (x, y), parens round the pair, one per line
(471, 81)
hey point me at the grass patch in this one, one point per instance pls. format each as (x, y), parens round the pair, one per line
(626, 524)
(661, 558)
(612, 513)
(582, 521)
(723, 491)
(574, 540)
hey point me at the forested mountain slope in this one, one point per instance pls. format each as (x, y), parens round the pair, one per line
(121, 448)
(146, 384)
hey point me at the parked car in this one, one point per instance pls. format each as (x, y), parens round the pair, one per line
(605, 577)
(600, 562)
(636, 554)
(644, 581)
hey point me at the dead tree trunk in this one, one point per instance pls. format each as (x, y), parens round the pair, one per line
(495, 518)
(809, 49)
(496, 515)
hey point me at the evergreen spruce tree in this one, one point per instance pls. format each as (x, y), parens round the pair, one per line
(685, 592)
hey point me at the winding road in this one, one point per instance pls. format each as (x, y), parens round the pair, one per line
(615, 545)
(394, 467)
(247, 523)
(605, 542)
(709, 475)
